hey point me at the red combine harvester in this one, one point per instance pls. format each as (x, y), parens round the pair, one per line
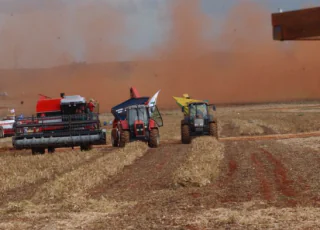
(136, 120)
(303, 24)
(59, 122)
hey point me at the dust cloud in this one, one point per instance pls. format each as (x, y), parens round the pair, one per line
(253, 67)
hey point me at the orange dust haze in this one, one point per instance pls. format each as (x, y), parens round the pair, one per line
(253, 67)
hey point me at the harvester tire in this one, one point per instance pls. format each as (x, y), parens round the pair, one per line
(154, 139)
(51, 150)
(114, 138)
(1, 133)
(213, 129)
(85, 147)
(124, 138)
(36, 151)
(185, 134)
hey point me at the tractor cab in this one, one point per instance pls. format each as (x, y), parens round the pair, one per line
(198, 110)
(138, 117)
(137, 114)
(198, 116)
(197, 120)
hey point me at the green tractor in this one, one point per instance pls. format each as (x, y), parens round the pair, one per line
(198, 119)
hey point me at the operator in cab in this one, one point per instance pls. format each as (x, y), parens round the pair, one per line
(91, 105)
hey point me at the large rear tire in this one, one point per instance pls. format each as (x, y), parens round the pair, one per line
(1, 132)
(154, 139)
(124, 138)
(114, 138)
(213, 129)
(185, 134)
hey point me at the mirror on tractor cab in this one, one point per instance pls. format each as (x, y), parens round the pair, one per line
(214, 107)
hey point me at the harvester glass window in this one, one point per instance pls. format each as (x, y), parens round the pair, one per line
(49, 114)
(76, 111)
(137, 114)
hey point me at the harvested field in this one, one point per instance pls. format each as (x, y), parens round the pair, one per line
(249, 179)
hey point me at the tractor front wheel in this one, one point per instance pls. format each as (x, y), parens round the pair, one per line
(185, 134)
(213, 129)
(154, 139)
(124, 138)
(1, 132)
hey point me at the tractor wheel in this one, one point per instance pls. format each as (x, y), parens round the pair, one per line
(114, 138)
(213, 129)
(185, 134)
(1, 133)
(51, 150)
(85, 147)
(154, 139)
(124, 138)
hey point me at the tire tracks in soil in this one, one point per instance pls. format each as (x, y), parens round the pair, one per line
(271, 137)
(151, 172)
(251, 171)
(28, 190)
(261, 174)
(235, 169)
(274, 180)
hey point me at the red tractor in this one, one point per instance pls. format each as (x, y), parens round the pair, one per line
(135, 120)
(59, 122)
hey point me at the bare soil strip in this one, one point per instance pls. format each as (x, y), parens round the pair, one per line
(286, 108)
(272, 137)
(151, 172)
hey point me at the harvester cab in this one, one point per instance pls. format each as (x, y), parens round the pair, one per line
(73, 104)
(136, 121)
(198, 119)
